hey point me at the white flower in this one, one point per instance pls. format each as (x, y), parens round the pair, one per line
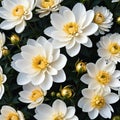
(97, 103)
(115, 1)
(47, 6)
(32, 94)
(101, 76)
(103, 18)
(40, 64)
(3, 79)
(2, 42)
(9, 113)
(109, 47)
(15, 13)
(70, 29)
(58, 111)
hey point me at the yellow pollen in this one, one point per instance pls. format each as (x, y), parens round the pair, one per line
(98, 102)
(39, 63)
(12, 116)
(47, 3)
(1, 79)
(58, 116)
(114, 48)
(103, 77)
(71, 28)
(18, 11)
(36, 94)
(99, 18)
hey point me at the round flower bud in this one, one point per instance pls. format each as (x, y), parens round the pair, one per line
(15, 39)
(5, 51)
(118, 20)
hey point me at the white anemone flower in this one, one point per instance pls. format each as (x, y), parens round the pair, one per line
(9, 113)
(2, 42)
(103, 18)
(101, 76)
(40, 64)
(32, 94)
(3, 79)
(44, 7)
(15, 13)
(70, 29)
(96, 103)
(58, 111)
(109, 47)
(115, 1)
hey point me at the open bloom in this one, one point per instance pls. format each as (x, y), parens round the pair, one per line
(103, 18)
(101, 76)
(40, 64)
(47, 6)
(58, 111)
(115, 1)
(15, 13)
(32, 94)
(9, 113)
(70, 29)
(3, 79)
(97, 103)
(109, 47)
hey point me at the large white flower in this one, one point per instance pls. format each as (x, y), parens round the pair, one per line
(3, 79)
(103, 18)
(15, 13)
(70, 29)
(47, 6)
(58, 111)
(32, 94)
(9, 113)
(109, 47)
(40, 64)
(97, 103)
(101, 76)
(2, 42)
(115, 1)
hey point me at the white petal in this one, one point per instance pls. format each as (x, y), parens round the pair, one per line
(116, 74)
(88, 44)
(70, 112)
(87, 107)
(81, 39)
(82, 101)
(86, 79)
(114, 82)
(93, 114)
(101, 63)
(74, 118)
(51, 70)
(87, 93)
(48, 31)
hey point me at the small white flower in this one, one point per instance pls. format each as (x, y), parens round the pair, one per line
(3, 79)
(109, 47)
(40, 64)
(101, 76)
(97, 103)
(103, 18)
(32, 94)
(58, 111)
(9, 113)
(47, 6)
(115, 1)
(15, 13)
(70, 29)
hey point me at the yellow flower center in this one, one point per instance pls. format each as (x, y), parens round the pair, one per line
(71, 28)
(18, 11)
(1, 79)
(99, 18)
(103, 77)
(58, 116)
(114, 48)
(98, 102)
(12, 116)
(39, 63)
(36, 94)
(47, 3)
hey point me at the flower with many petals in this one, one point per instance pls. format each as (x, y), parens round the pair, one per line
(58, 111)
(9, 113)
(70, 29)
(109, 47)
(101, 76)
(103, 18)
(97, 103)
(3, 79)
(47, 6)
(32, 94)
(40, 64)
(15, 13)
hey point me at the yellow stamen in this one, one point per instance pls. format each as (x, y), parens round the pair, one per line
(47, 3)
(58, 116)
(12, 116)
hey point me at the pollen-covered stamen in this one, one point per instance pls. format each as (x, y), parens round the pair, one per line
(114, 48)
(98, 101)
(71, 28)
(58, 116)
(103, 77)
(47, 3)
(12, 116)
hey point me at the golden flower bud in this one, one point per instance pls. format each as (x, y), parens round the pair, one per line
(15, 39)
(58, 94)
(116, 117)
(118, 20)
(52, 93)
(5, 51)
